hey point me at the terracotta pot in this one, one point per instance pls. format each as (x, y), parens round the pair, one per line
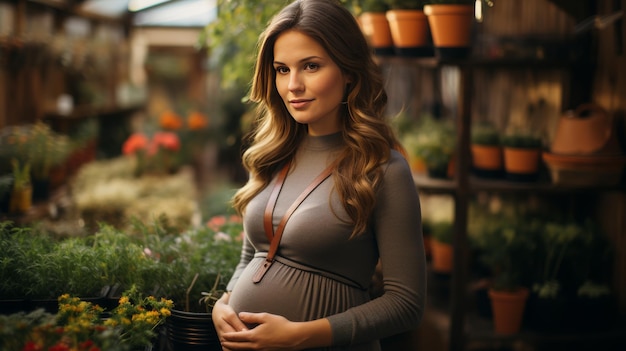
(409, 31)
(487, 157)
(586, 131)
(508, 309)
(375, 27)
(442, 256)
(451, 28)
(521, 161)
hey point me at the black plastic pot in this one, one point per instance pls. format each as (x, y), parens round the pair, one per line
(190, 331)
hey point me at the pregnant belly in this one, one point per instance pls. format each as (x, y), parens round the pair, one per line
(292, 292)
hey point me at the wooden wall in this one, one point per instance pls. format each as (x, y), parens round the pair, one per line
(503, 96)
(609, 91)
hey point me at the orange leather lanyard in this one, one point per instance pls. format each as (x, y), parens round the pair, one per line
(274, 237)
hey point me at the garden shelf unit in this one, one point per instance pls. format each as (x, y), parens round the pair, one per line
(466, 330)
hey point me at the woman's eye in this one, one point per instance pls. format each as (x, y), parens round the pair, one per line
(281, 69)
(311, 66)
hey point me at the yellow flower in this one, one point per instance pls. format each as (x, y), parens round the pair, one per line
(123, 300)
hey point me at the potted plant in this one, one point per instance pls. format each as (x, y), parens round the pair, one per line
(409, 28)
(22, 192)
(486, 148)
(82, 325)
(374, 24)
(41, 267)
(570, 289)
(522, 152)
(451, 26)
(43, 149)
(433, 142)
(207, 257)
(442, 233)
(505, 247)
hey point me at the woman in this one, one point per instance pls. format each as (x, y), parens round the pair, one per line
(321, 104)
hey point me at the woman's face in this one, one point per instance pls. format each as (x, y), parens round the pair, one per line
(311, 84)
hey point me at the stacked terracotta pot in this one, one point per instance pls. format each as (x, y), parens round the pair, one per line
(585, 150)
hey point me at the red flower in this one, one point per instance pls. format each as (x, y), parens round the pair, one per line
(216, 222)
(135, 142)
(166, 140)
(31, 346)
(85, 344)
(59, 347)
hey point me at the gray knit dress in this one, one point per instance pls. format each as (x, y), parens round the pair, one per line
(319, 271)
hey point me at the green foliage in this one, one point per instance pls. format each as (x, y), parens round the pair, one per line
(573, 257)
(506, 245)
(521, 140)
(35, 265)
(232, 37)
(405, 4)
(81, 325)
(21, 174)
(442, 231)
(485, 134)
(36, 144)
(433, 141)
(370, 5)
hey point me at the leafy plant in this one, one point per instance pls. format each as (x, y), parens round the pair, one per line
(233, 35)
(485, 134)
(21, 174)
(557, 240)
(37, 145)
(405, 4)
(573, 256)
(505, 246)
(521, 140)
(433, 141)
(442, 231)
(145, 314)
(361, 6)
(80, 325)
(198, 260)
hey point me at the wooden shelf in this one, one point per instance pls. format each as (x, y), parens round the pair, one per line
(484, 62)
(480, 333)
(425, 183)
(86, 111)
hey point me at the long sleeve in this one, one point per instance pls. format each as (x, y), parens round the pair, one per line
(398, 230)
(247, 252)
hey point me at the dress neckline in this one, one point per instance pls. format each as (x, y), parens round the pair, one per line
(322, 142)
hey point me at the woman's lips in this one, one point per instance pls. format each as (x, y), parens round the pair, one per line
(299, 103)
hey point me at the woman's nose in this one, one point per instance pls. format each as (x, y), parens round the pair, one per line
(295, 82)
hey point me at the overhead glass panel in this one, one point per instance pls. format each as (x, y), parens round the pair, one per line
(138, 5)
(109, 8)
(182, 13)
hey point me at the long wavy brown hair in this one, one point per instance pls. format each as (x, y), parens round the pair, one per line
(276, 136)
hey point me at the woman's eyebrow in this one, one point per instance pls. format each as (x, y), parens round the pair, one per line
(302, 60)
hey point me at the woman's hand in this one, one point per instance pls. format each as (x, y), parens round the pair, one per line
(225, 319)
(277, 333)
